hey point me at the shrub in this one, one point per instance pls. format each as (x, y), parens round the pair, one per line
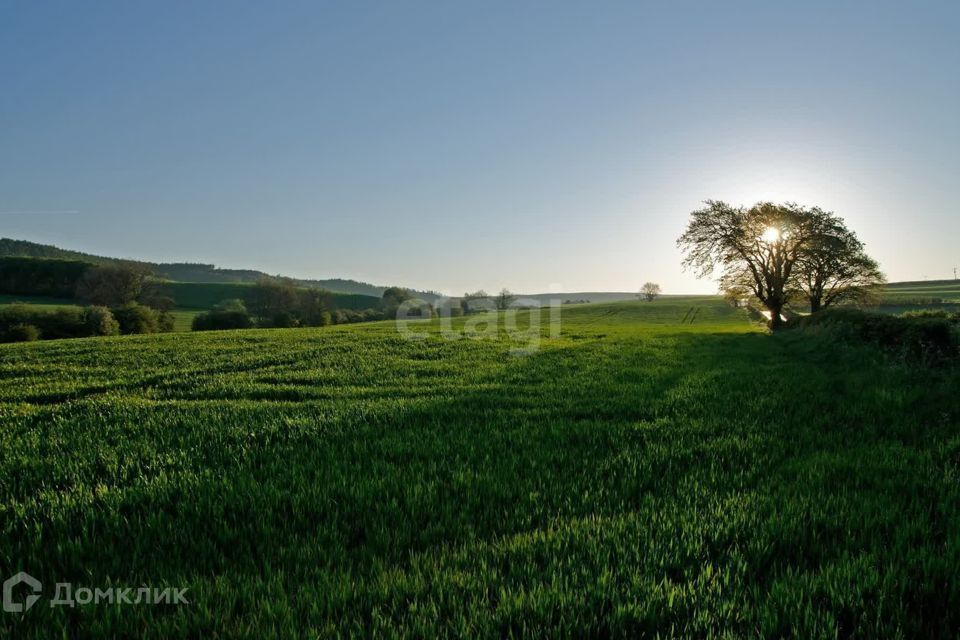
(21, 333)
(100, 322)
(372, 314)
(229, 314)
(53, 323)
(284, 320)
(165, 321)
(952, 316)
(924, 338)
(135, 318)
(50, 323)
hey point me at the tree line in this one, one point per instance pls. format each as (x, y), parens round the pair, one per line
(121, 299)
(281, 303)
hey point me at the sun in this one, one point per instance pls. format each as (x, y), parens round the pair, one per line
(770, 235)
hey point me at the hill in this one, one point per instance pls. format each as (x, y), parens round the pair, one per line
(190, 272)
(946, 290)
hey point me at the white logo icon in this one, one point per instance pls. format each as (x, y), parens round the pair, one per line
(17, 607)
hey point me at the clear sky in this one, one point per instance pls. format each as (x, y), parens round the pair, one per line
(457, 145)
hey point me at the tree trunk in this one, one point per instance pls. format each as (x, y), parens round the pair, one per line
(815, 305)
(775, 321)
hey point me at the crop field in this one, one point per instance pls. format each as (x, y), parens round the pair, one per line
(946, 290)
(637, 474)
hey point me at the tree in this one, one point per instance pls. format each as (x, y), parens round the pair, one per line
(274, 298)
(112, 285)
(314, 307)
(392, 298)
(505, 299)
(229, 314)
(834, 267)
(757, 247)
(155, 294)
(41, 276)
(475, 301)
(649, 291)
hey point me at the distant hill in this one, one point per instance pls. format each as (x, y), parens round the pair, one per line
(580, 296)
(189, 271)
(945, 290)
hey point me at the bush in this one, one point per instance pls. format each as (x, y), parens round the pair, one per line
(229, 314)
(54, 323)
(134, 318)
(165, 321)
(284, 320)
(21, 333)
(924, 338)
(100, 322)
(952, 316)
(372, 314)
(49, 322)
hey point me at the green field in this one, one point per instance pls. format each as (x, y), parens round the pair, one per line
(205, 295)
(947, 290)
(633, 476)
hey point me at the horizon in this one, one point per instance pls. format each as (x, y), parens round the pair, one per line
(396, 146)
(665, 293)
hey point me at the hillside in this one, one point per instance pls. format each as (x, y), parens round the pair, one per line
(947, 290)
(205, 295)
(189, 272)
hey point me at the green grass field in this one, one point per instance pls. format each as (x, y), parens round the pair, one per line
(634, 476)
(946, 290)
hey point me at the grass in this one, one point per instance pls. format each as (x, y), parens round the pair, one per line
(633, 476)
(905, 292)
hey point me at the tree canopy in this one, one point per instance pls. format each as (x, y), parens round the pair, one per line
(778, 252)
(649, 291)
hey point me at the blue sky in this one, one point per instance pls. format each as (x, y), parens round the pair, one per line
(458, 145)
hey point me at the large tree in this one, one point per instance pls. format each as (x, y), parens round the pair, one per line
(757, 248)
(274, 300)
(834, 267)
(113, 285)
(393, 297)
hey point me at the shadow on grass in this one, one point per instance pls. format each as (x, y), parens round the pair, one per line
(613, 431)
